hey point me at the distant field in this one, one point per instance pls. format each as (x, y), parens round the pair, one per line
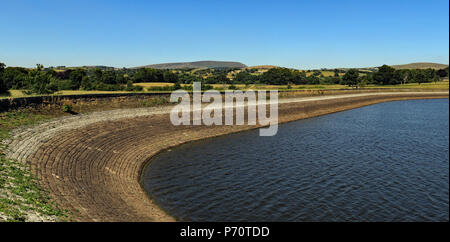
(262, 67)
(252, 86)
(438, 85)
(444, 85)
(421, 65)
(153, 84)
(324, 73)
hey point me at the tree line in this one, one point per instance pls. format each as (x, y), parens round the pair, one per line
(42, 80)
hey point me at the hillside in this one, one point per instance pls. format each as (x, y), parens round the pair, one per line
(262, 67)
(197, 64)
(421, 65)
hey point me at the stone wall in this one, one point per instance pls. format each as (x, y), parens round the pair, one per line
(81, 103)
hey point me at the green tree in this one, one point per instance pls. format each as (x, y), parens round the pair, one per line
(429, 74)
(76, 77)
(384, 75)
(350, 78)
(98, 74)
(436, 78)
(223, 79)
(176, 86)
(169, 76)
(3, 88)
(15, 77)
(243, 77)
(312, 79)
(299, 77)
(109, 77)
(39, 67)
(42, 84)
(406, 76)
(277, 76)
(336, 73)
(417, 76)
(86, 83)
(442, 73)
(317, 73)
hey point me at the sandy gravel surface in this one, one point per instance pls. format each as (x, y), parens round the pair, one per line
(91, 163)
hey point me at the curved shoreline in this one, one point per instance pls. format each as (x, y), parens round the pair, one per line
(92, 164)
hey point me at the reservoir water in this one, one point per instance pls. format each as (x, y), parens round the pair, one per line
(385, 162)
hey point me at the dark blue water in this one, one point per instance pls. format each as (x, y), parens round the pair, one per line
(385, 162)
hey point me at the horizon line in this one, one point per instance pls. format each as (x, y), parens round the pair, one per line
(179, 62)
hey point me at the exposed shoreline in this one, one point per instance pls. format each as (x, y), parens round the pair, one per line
(92, 164)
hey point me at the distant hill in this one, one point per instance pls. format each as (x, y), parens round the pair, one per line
(262, 67)
(421, 65)
(197, 65)
(62, 68)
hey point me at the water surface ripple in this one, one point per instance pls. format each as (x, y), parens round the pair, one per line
(385, 162)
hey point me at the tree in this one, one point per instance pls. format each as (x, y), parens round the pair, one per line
(188, 78)
(350, 78)
(418, 76)
(384, 75)
(243, 77)
(39, 67)
(109, 77)
(3, 88)
(317, 73)
(86, 84)
(222, 78)
(406, 76)
(299, 77)
(98, 73)
(177, 86)
(312, 79)
(429, 74)
(423, 76)
(442, 73)
(397, 77)
(336, 73)
(76, 77)
(148, 75)
(436, 78)
(15, 77)
(41, 83)
(277, 76)
(169, 76)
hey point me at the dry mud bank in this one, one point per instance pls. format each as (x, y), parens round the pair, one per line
(91, 164)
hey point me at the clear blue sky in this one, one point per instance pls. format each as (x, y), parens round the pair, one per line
(299, 34)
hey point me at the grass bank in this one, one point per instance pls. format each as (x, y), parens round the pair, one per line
(21, 197)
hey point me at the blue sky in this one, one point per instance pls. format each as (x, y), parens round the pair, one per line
(298, 34)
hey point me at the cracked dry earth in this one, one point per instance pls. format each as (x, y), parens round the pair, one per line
(91, 164)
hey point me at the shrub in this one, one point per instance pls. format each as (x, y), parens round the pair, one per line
(62, 84)
(177, 86)
(232, 87)
(108, 87)
(67, 108)
(163, 88)
(134, 88)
